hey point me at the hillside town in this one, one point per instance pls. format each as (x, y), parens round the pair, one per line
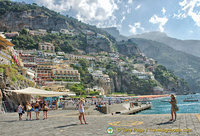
(46, 67)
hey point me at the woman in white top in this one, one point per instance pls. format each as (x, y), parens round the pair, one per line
(81, 111)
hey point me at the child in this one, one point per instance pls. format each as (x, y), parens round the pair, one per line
(20, 109)
(45, 109)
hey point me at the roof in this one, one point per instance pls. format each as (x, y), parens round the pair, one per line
(38, 92)
(5, 42)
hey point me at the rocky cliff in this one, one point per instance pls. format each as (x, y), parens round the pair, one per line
(128, 48)
(10, 79)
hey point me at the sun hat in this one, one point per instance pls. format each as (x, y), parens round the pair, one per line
(82, 99)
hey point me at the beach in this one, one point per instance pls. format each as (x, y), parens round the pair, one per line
(63, 122)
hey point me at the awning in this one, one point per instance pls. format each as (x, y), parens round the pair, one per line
(31, 74)
(39, 92)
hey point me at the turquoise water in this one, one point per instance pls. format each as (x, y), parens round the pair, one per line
(159, 107)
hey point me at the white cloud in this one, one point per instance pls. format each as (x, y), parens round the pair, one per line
(128, 10)
(163, 11)
(135, 27)
(85, 10)
(188, 10)
(191, 31)
(159, 20)
(130, 1)
(123, 18)
(138, 6)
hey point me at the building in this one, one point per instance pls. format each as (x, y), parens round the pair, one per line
(49, 55)
(29, 61)
(67, 74)
(46, 47)
(12, 34)
(54, 32)
(38, 32)
(78, 57)
(27, 57)
(44, 72)
(99, 75)
(141, 75)
(139, 67)
(60, 53)
(28, 73)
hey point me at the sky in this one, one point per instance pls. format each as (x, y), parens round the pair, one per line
(177, 18)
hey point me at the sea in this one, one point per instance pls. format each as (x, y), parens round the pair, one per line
(162, 106)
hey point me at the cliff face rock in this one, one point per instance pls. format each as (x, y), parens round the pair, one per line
(98, 45)
(121, 83)
(33, 19)
(128, 48)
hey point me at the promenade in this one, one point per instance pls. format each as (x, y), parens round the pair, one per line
(65, 123)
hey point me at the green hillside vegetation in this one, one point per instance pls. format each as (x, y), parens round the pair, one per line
(11, 72)
(182, 64)
(62, 42)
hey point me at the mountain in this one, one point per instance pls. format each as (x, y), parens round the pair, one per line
(188, 46)
(184, 65)
(115, 33)
(84, 39)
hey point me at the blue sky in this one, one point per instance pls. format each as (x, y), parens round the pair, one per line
(177, 18)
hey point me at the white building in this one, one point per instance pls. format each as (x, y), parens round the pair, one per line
(141, 75)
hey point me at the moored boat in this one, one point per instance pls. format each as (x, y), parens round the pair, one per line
(192, 100)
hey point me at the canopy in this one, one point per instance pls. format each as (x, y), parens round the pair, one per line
(39, 92)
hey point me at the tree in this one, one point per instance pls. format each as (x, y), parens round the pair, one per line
(78, 89)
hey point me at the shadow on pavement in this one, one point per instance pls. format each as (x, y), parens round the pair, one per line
(165, 123)
(10, 121)
(67, 126)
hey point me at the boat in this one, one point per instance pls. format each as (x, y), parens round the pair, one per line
(190, 100)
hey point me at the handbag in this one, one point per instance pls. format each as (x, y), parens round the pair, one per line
(176, 108)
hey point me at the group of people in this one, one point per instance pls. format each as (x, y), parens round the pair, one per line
(37, 107)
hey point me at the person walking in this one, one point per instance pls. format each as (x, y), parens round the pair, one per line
(81, 111)
(28, 110)
(36, 109)
(45, 110)
(20, 111)
(174, 107)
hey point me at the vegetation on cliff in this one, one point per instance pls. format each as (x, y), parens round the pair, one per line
(12, 76)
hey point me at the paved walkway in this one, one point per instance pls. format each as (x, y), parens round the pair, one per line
(66, 124)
